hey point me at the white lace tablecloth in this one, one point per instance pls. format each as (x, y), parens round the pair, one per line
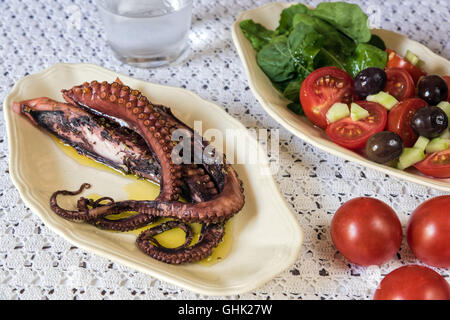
(35, 263)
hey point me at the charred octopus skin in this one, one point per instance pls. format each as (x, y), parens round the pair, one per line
(120, 127)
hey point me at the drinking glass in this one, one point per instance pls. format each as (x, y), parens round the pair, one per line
(147, 33)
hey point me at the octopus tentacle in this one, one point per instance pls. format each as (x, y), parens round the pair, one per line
(125, 224)
(211, 236)
(131, 107)
(218, 209)
(82, 213)
(150, 234)
(200, 184)
(98, 97)
(120, 127)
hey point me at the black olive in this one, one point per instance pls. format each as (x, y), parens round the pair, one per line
(429, 122)
(370, 81)
(433, 89)
(384, 146)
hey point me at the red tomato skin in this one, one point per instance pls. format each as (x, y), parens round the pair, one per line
(395, 61)
(413, 282)
(428, 232)
(348, 144)
(447, 79)
(316, 105)
(366, 231)
(368, 129)
(440, 171)
(399, 119)
(408, 82)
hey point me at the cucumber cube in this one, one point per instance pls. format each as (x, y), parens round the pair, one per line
(445, 135)
(437, 145)
(383, 98)
(411, 57)
(357, 112)
(410, 157)
(445, 106)
(337, 112)
(421, 143)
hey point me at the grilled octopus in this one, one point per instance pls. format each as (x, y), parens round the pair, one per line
(118, 126)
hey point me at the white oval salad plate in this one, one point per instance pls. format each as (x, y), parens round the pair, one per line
(275, 104)
(265, 236)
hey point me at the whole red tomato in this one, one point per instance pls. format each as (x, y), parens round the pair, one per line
(366, 231)
(413, 283)
(428, 232)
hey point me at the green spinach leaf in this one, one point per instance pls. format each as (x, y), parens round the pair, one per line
(296, 107)
(276, 61)
(304, 44)
(377, 42)
(256, 33)
(347, 18)
(327, 58)
(287, 17)
(292, 90)
(335, 41)
(366, 56)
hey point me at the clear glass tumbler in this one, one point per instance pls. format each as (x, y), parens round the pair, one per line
(147, 33)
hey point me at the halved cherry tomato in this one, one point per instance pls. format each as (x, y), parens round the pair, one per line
(323, 88)
(436, 165)
(399, 119)
(400, 84)
(354, 134)
(447, 79)
(395, 61)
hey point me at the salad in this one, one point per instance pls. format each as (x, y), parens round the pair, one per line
(366, 97)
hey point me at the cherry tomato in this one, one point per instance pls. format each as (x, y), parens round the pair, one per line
(436, 165)
(399, 119)
(428, 232)
(366, 231)
(395, 61)
(413, 283)
(323, 88)
(400, 84)
(447, 79)
(354, 134)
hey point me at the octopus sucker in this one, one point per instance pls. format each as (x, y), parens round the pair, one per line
(120, 127)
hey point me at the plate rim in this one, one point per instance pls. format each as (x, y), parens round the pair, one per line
(328, 146)
(35, 206)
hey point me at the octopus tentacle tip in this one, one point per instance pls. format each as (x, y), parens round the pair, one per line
(85, 186)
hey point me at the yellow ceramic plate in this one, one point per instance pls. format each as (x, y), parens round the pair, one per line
(266, 237)
(275, 104)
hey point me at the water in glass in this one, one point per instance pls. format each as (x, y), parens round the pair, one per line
(147, 33)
